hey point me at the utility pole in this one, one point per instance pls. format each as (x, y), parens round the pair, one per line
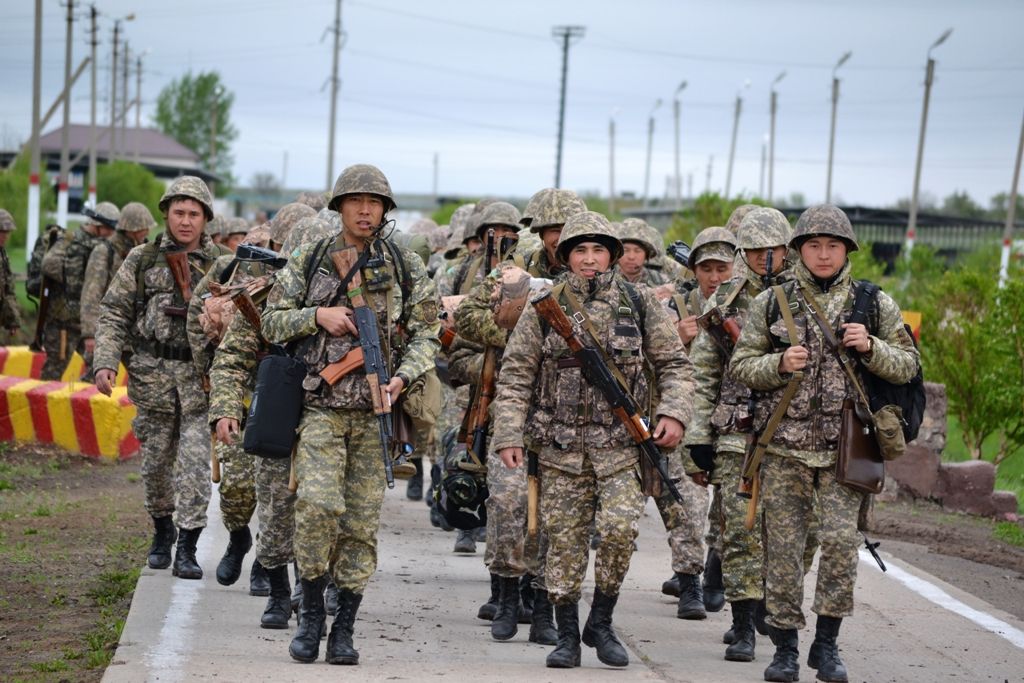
(32, 230)
(735, 129)
(334, 94)
(707, 182)
(565, 34)
(1011, 213)
(126, 103)
(764, 153)
(62, 181)
(771, 142)
(93, 42)
(832, 131)
(678, 176)
(611, 164)
(138, 102)
(113, 93)
(928, 77)
(650, 148)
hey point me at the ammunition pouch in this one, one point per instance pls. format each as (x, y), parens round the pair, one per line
(167, 351)
(276, 408)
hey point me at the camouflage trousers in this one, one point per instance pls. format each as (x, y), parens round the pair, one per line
(175, 451)
(341, 488)
(237, 485)
(684, 522)
(510, 551)
(54, 367)
(742, 552)
(796, 499)
(713, 538)
(275, 507)
(568, 504)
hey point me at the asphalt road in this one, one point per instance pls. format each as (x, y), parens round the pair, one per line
(418, 622)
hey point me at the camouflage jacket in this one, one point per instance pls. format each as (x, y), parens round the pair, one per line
(290, 316)
(34, 271)
(809, 431)
(538, 264)
(65, 266)
(10, 313)
(233, 373)
(555, 412)
(106, 257)
(444, 278)
(648, 276)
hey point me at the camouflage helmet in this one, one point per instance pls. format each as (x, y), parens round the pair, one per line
(362, 179)
(737, 216)
(763, 228)
(314, 200)
(107, 215)
(6, 221)
(824, 219)
(286, 218)
(588, 226)
(236, 226)
(498, 214)
(422, 226)
(306, 229)
(655, 237)
(633, 230)
(259, 236)
(459, 222)
(712, 244)
(437, 239)
(473, 222)
(417, 244)
(551, 206)
(215, 226)
(188, 187)
(135, 217)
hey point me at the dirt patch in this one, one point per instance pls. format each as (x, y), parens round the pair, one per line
(73, 535)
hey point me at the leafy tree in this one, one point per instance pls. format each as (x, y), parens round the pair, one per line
(264, 183)
(708, 209)
(960, 204)
(1000, 204)
(14, 197)
(443, 216)
(186, 109)
(121, 182)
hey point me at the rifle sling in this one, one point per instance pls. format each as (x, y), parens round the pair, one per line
(814, 309)
(583, 320)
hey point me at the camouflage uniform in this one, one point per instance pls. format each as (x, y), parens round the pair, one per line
(47, 239)
(64, 267)
(10, 313)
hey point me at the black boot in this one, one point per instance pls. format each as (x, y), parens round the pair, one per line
(542, 622)
(714, 589)
(331, 599)
(567, 654)
(760, 614)
(305, 645)
(414, 485)
(729, 636)
(599, 634)
(259, 583)
(297, 591)
(526, 595)
(741, 649)
(278, 608)
(824, 653)
(164, 535)
(490, 608)
(185, 565)
(506, 619)
(230, 567)
(671, 587)
(339, 643)
(691, 598)
(785, 664)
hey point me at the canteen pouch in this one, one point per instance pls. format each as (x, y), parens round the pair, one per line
(889, 432)
(860, 465)
(276, 407)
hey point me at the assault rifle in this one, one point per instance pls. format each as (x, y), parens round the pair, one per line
(474, 429)
(253, 252)
(597, 373)
(42, 312)
(680, 251)
(177, 262)
(347, 264)
(91, 213)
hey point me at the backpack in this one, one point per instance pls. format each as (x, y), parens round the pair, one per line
(34, 275)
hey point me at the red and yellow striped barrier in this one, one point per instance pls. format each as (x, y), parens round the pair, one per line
(20, 361)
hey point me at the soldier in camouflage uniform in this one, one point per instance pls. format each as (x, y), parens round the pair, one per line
(144, 307)
(107, 256)
(234, 231)
(545, 215)
(285, 219)
(64, 268)
(661, 262)
(337, 459)
(10, 314)
(718, 435)
(637, 249)
(314, 200)
(215, 228)
(733, 225)
(587, 458)
(798, 471)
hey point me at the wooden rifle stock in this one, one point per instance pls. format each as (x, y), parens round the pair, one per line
(177, 261)
(245, 305)
(755, 495)
(532, 492)
(42, 312)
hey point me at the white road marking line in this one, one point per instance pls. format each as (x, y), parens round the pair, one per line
(934, 594)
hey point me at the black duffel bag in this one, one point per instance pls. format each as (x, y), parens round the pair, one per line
(276, 407)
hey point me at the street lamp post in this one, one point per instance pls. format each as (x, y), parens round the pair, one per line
(675, 116)
(773, 106)
(928, 77)
(832, 131)
(650, 145)
(735, 129)
(611, 162)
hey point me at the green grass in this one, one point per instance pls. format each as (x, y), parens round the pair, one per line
(1009, 532)
(1009, 474)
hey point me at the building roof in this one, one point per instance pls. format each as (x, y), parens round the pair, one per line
(151, 143)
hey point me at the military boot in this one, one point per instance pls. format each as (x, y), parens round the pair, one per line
(164, 535)
(526, 595)
(305, 646)
(278, 608)
(464, 542)
(741, 649)
(490, 608)
(506, 619)
(185, 565)
(671, 587)
(414, 485)
(785, 664)
(339, 643)
(824, 652)
(567, 653)
(297, 590)
(714, 589)
(542, 621)
(691, 598)
(599, 634)
(760, 614)
(331, 599)
(259, 583)
(230, 567)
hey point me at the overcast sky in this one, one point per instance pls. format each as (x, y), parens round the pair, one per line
(478, 84)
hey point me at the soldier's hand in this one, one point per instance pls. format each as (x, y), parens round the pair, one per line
(700, 479)
(89, 344)
(794, 358)
(394, 388)
(511, 456)
(687, 328)
(227, 430)
(855, 336)
(337, 320)
(105, 378)
(665, 291)
(669, 432)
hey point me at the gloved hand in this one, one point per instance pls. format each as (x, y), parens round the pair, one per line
(703, 456)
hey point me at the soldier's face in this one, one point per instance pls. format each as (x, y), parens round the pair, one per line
(186, 221)
(633, 259)
(473, 245)
(823, 256)
(103, 231)
(138, 236)
(361, 214)
(549, 236)
(588, 259)
(757, 259)
(710, 274)
(233, 241)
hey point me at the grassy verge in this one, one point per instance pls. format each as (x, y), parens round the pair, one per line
(1009, 474)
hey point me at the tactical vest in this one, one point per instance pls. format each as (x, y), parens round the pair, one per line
(76, 258)
(732, 413)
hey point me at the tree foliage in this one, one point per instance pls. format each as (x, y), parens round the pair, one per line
(186, 109)
(14, 197)
(121, 182)
(708, 209)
